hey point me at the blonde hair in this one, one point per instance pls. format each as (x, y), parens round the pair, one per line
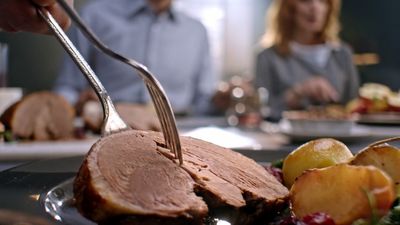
(280, 25)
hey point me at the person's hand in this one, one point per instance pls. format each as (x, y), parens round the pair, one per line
(317, 90)
(21, 15)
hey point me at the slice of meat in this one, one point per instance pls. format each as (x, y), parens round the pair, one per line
(40, 116)
(137, 116)
(231, 183)
(92, 116)
(125, 177)
(131, 176)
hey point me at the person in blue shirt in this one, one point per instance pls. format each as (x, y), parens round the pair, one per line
(20, 15)
(171, 44)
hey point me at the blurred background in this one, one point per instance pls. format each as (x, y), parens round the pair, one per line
(235, 27)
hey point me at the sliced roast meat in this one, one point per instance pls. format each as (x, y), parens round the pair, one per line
(40, 116)
(124, 178)
(231, 183)
(130, 178)
(137, 116)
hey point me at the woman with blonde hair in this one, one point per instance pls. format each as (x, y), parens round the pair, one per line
(304, 61)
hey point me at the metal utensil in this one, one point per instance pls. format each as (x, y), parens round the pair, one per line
(112, 121)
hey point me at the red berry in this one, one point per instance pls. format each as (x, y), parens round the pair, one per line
(276, 172)
(318, 218)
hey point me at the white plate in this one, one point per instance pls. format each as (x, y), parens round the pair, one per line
(18, 151)
(230, 137)
(356, 133)
(44, 150)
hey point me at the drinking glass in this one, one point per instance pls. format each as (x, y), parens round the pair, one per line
(3, 64)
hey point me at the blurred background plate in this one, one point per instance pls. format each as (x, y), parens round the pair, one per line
(381, 118)
(44, 149)
(305, 131)
(320, 127)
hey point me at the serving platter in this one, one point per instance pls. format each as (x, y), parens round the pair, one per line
(59, 203)
(44, 188)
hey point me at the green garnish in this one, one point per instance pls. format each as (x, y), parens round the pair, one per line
(7, 135)
(277, 164)
(393, 217)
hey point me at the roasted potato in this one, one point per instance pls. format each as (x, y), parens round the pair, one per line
(385, 157)
(318, 153)
(343, 191)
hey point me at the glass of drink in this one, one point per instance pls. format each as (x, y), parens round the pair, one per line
(3, 64)
(245, 105)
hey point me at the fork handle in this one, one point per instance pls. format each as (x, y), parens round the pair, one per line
(109, 109)
(157, 93)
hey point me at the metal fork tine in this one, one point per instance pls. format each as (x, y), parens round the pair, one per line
(160, 112)
(170, 142)
(112, 122)
(163, 117)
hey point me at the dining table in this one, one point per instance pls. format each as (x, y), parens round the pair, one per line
(32, 172)
(265, 143)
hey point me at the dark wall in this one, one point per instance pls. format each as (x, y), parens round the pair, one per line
(374, 26)
(33, 59)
